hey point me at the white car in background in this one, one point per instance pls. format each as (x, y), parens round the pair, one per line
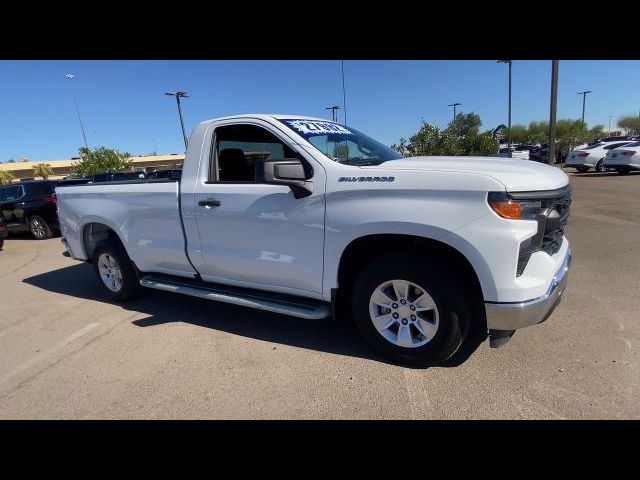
(515, 153)
(592, 156)
(623, 159)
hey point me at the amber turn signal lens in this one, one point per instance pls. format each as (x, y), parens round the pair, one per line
(506, 208)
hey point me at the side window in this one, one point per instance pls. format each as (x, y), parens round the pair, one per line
(39, 189)
(614, 145)
(12, 193)
(3, 194)
(238, 147)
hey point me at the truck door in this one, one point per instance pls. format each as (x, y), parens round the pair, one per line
(258, 235)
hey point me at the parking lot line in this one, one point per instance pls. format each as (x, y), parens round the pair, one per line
(47, 353)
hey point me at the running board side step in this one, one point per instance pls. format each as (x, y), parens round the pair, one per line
(287, 305)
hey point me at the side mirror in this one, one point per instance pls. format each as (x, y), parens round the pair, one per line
(289, 172)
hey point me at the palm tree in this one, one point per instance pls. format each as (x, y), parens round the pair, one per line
(42, 170)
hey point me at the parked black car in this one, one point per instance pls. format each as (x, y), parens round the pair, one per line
(30, 206)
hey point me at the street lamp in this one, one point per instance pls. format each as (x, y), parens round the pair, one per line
(71, 76)
(584, 98)
(509, 126)
(178, 96)
(334, 112)
(454, 105)
(553, 109)
(609, 125)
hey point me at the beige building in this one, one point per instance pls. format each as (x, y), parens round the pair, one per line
(62, 168)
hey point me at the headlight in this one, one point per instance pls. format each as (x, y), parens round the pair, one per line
(549, 208)
(512, 209)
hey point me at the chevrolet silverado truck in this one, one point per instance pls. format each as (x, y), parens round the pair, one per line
(311, 218)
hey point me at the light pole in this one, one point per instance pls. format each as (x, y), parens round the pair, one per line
(334, 112)
(454, 105)
(609, 125)
(509, 126)
(71, 76)
(178, 96)
(584, 98)
(344, 94)
(555, 65)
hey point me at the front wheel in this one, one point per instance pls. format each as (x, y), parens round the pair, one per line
(600, 166)
(115, 271)
(39, 228)
(411, 309)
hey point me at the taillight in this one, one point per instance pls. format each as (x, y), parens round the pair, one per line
(3, 227)
(582, 154)
(51, 199)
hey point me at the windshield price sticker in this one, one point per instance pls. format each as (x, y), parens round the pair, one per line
(313, 127)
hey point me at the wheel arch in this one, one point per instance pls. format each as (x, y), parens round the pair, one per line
(363, 250)
(95, 232)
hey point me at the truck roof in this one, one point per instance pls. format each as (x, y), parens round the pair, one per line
(267, 116)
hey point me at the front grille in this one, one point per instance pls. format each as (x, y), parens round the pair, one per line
(557, 214)
(552, 220)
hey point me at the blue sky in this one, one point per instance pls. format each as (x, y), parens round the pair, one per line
(123, 106)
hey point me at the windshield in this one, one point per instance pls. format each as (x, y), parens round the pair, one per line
(342, 144)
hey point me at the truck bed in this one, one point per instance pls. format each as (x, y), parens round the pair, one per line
(145, 213)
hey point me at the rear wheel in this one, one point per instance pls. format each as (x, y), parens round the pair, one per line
(600, 166)
(411, 309)
(115, 271)
(39, 228)
(582, 169)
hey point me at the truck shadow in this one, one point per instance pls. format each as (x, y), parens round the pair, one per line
(331, 336)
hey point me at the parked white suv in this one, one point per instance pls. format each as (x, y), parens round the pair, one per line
(306, 217)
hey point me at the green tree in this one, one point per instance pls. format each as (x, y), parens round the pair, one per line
(570, 133)
(482, 144)
(11, 160)
(5, 177)
(101, 160)
(630, 123)
(43, 170)
(518, 133)
(461, 137)
(401, 147)
(466, 124)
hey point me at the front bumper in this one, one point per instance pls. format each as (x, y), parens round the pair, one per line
(514, 315)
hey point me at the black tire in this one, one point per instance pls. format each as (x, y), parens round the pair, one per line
(439, 281)
(600, 166)
(129, 287)
(582, 169)
(39, 228)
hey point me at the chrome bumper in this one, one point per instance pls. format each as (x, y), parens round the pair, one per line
(511, 316)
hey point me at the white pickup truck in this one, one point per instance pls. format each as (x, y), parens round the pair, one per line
(306, 217)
